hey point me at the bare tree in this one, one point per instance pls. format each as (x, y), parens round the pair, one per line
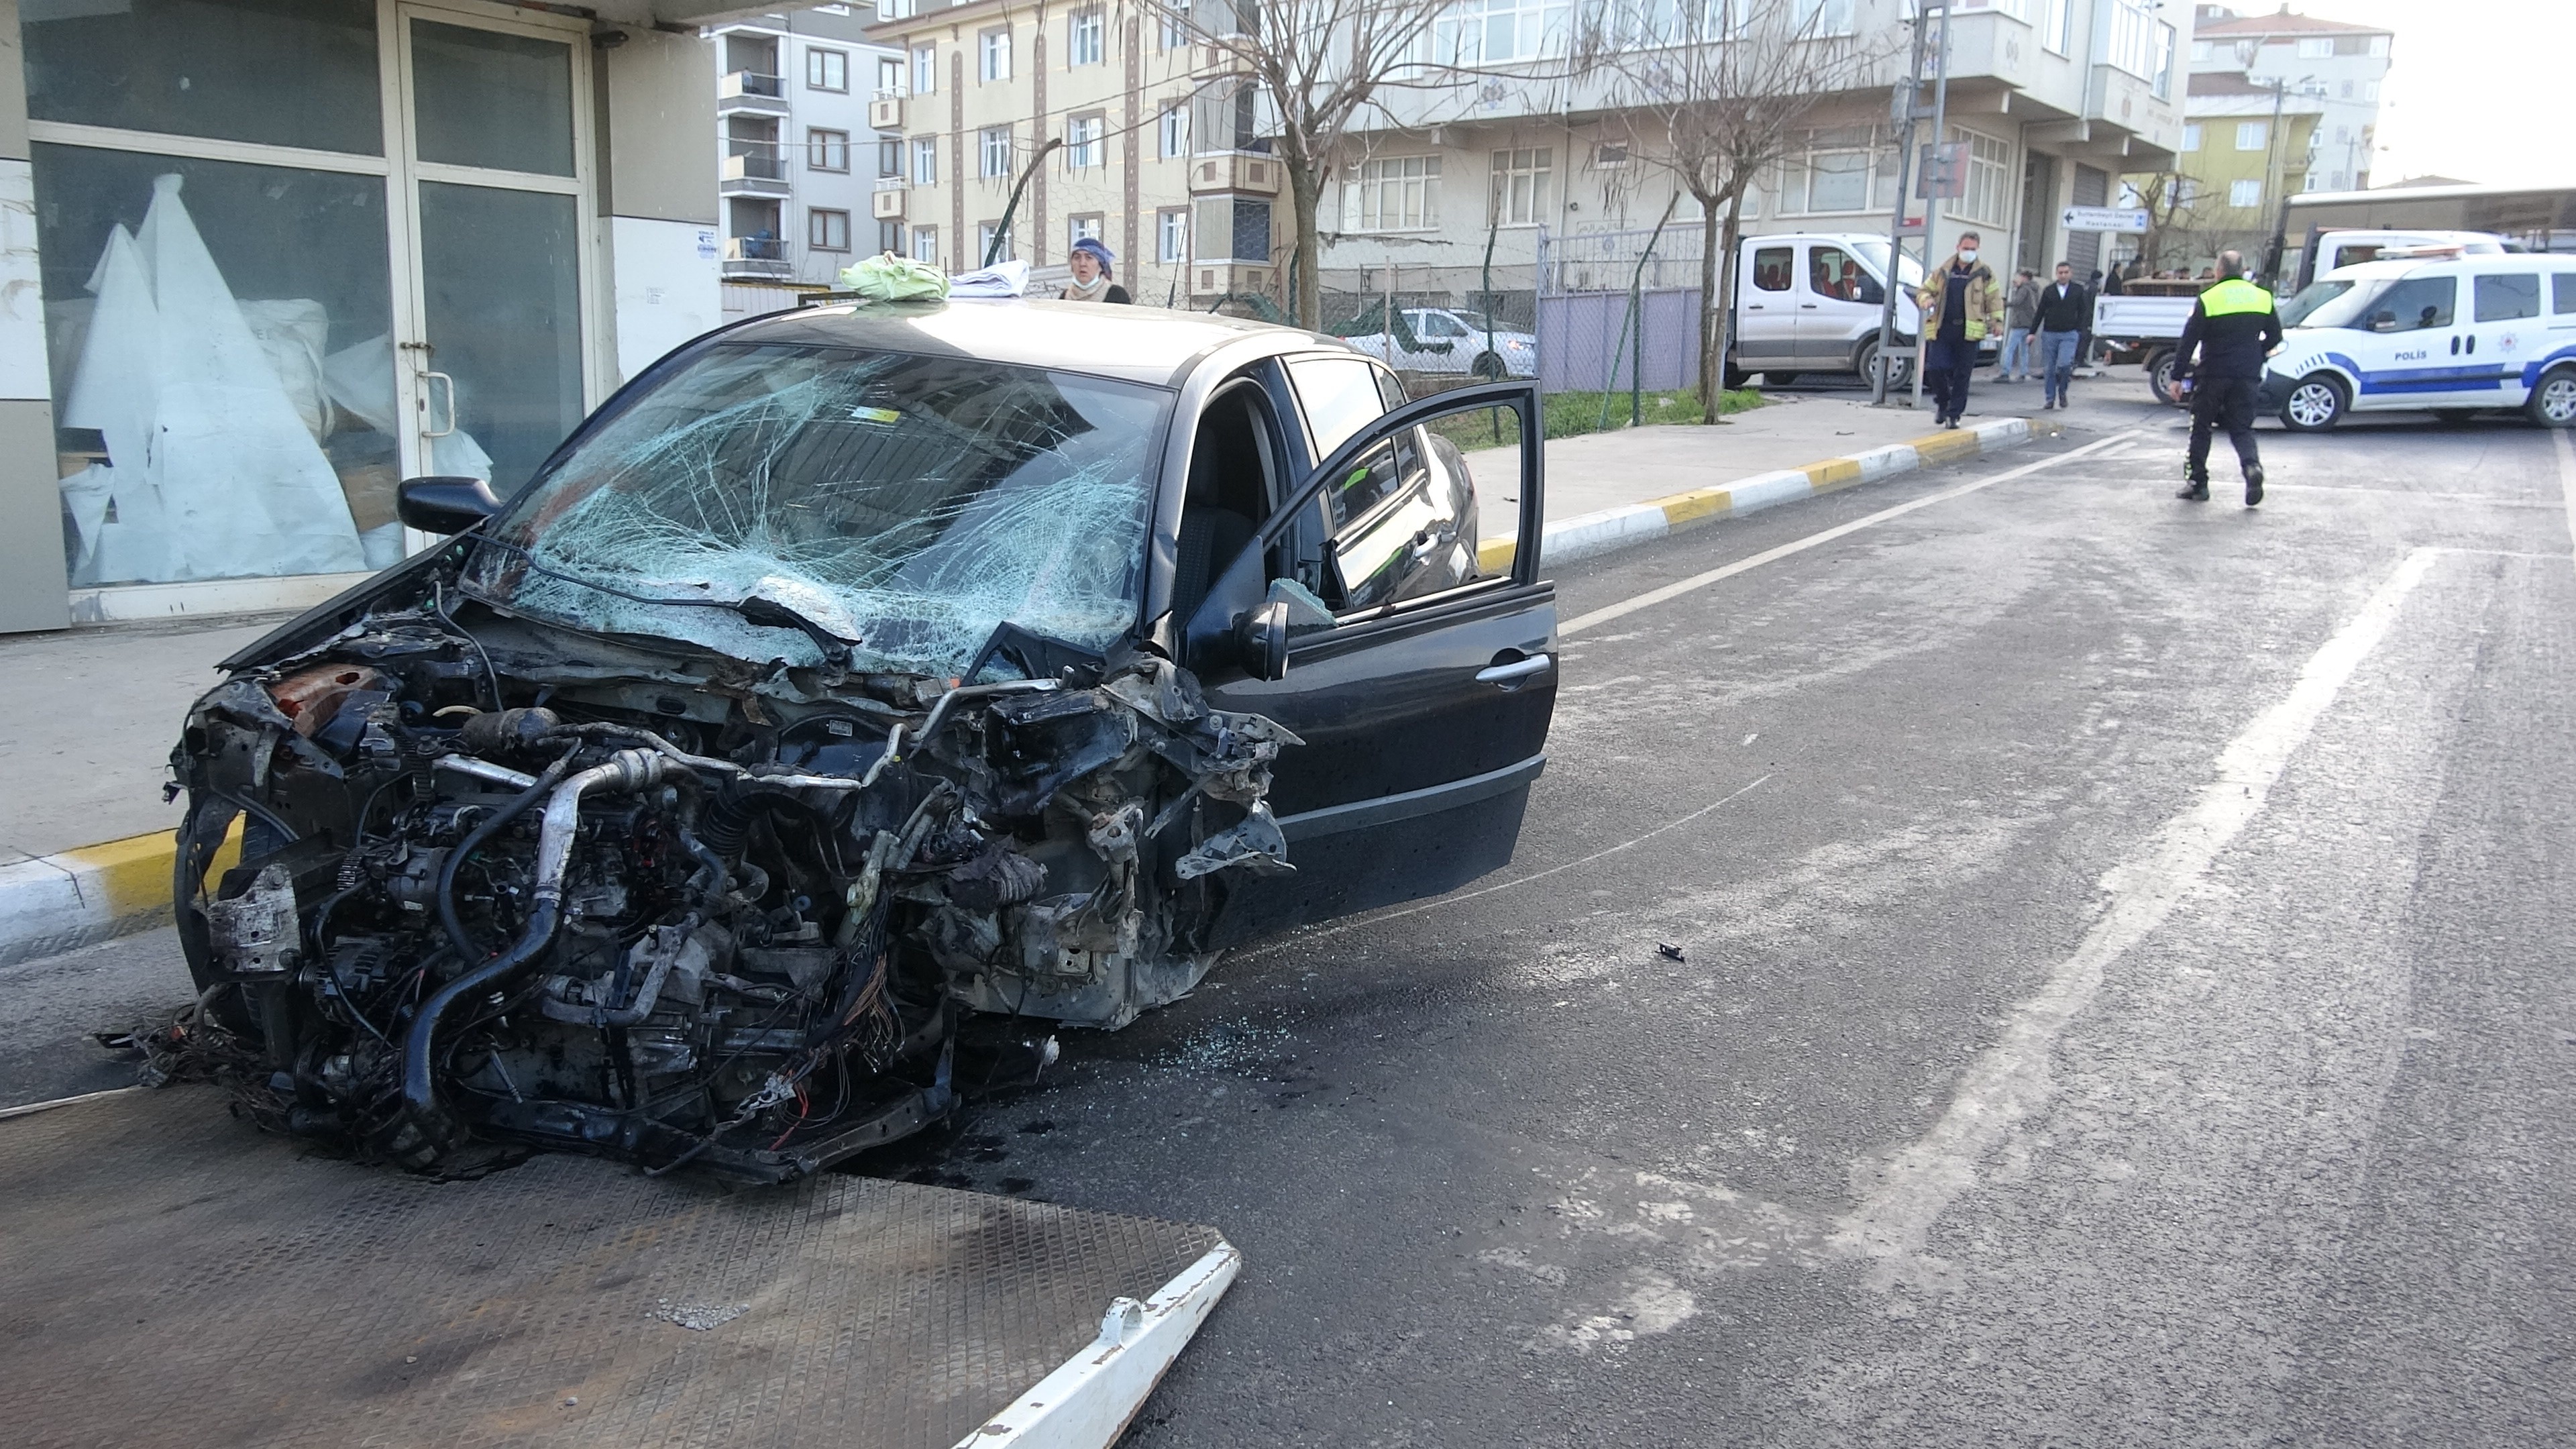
(1300, 72)
(2172, 203)
(1718, 92)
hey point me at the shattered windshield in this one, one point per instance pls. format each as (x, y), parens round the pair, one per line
(906, 503)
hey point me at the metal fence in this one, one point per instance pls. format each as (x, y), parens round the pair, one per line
(1619, 309)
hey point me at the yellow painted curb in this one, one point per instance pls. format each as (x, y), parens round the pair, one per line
(1943, 447)
(133, 874)
(1698, 503)
(1832, 473)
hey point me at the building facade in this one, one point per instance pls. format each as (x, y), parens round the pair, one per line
(2048, 101)
(2246, 150)
(2337, 65)
(799, 154)
(1155, 153)
(267, 259)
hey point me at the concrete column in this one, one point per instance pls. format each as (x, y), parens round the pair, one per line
(34, 594)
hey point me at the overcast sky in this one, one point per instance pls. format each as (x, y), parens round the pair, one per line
(2477, 89)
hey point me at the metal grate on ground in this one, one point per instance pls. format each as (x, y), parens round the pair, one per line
(171, 1276)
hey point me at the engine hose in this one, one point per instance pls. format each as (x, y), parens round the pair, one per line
(626, 770)
(448, 919)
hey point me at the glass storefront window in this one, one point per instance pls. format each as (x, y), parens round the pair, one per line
(483, 98)
(502, 289)
(279, 72)
(220, 336)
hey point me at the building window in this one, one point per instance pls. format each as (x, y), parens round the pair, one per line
(993, 55)
(827, 231)
(985, 255)
(890, 160)
(2244, 194)
(1816, 19)
(1176, 23)
(1172, 132)
(1233, 228)
(1172, 236)
(925, 244)
(1393, 193)
(925, 161)
(1085, 34)
(1082, 148)
(2191, 136)
(2250, 135)
(1501, 32)
(1609, 155)
(827, 150)
(2316, 47)
(1849, 169)
(827, 70)
(1079, 228)
(889, 237)
(925, 69)
(1989, 166)
(889, 76)
(993, 152)
(1520, 186)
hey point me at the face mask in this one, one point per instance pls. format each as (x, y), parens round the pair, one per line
(1969, 255)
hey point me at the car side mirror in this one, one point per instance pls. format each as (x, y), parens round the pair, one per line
(444, 505)
(1262, 637)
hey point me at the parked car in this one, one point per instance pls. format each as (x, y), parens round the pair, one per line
(1453, 340)
(2331, 248)
(1813, 302)
(854, 672)
(2453, 335)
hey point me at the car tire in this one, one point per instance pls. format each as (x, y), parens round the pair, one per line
(2316, 403)
(1779, 379)
(1489, 368)
(2553, 403)
(2160, 376)
(1865, 363)
(1736, 377)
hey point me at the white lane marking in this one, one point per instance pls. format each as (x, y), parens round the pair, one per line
(1652, 597)
(2010, 1080)
(1356, 922)
(2566, 475)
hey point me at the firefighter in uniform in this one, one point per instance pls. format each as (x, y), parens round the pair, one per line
(2232, 329)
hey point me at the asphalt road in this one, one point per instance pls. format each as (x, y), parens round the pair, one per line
(2125, 998)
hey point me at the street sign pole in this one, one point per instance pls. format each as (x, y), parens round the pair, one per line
(1912, 92)
(1931, 201)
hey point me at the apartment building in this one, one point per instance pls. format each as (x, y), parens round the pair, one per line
(2340, 66)
(1157, 155)
(799, 150)
(2246, 148)
(2051, 100)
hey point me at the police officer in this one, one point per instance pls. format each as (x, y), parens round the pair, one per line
(2232, 329)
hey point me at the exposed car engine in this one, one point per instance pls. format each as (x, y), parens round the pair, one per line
(520, 884)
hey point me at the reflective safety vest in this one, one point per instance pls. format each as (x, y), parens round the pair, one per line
(2233, 296)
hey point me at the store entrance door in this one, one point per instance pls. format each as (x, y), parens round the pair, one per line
(494, 130)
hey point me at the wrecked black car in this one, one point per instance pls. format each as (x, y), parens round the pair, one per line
(855, 675)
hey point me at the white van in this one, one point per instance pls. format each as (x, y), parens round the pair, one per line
(2332, 248)
(1811, 302)
(2454, 335)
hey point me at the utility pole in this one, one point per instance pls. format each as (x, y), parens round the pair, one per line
(1932, 193)
(1905, 108)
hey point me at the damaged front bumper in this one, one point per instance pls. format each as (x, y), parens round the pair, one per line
(528, 885)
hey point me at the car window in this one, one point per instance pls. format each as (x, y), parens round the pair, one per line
(1385, 513)
(2351, 255)
(2562, 292)
(1340, 395)
(2414, 304)
(2505, 298)
(1833, 272)
(1771, 268)
(2309, 308)
(1440, 324)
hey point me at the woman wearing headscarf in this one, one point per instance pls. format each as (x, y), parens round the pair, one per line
(1091, 261)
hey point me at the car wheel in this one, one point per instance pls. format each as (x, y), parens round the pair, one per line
(1865, 366)
(2316, 403)
(1736, 377)
(2160, 376)
(1489, 368)
(1779, 379)
(2553, 403)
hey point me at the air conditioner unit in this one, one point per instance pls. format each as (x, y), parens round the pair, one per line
(886, 113)
(886, 206)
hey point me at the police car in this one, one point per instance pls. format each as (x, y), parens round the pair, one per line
(2451, 333)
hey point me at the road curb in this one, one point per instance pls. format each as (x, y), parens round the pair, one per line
(50, 904)
(55, 903)
(1590, 535)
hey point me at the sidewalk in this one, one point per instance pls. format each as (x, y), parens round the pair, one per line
(87, 716)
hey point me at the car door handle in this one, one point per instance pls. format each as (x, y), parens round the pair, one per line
(1806, 306)
(1515, 671)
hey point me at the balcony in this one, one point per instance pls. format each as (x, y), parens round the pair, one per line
(885, 112)
(1226, 171)
(756, 256)
(753, 169)
(885, 203)
(752, 93)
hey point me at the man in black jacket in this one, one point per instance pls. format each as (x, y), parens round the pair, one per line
(2057, 333)
(2233, 327)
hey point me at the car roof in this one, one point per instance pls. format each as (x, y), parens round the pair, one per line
(2489, 263)
(1152, 345)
